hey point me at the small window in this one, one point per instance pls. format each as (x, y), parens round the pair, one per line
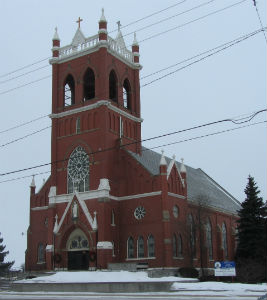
(126, 94)
(175, 211)
(151, 246)
(209, 239)
(224, 241)
(140, 247)
(130, 247)
(40, 254)
(113, 86)
(112, 217)
(78, 125)
(69, 91)
(174, 246)
(113, 248)
(180, 246)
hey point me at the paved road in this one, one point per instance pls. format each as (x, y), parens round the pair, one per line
(79, 296)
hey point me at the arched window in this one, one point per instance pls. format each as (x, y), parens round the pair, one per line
(89, 84)
(174, 246)
(180, 246)
(69, 91)
(40, 254)
(224, 240)
(209, 239)
(77, 241)
(126, 94)
(192, 235)
(112, 217)
(130, 247)
(140, 247)
(78, 171)
(113, 86)
(78, 125)
(151, 246)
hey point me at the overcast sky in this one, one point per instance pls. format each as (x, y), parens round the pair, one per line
(229, 84)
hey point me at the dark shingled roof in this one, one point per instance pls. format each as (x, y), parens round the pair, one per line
(198, 182)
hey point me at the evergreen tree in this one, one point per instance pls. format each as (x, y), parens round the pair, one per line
(252, 248)
(4, 266)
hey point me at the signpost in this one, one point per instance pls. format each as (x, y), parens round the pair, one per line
(224, 268)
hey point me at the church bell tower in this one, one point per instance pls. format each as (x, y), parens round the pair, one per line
(95, 107)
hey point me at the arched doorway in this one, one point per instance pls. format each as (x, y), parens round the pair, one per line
(78, 251)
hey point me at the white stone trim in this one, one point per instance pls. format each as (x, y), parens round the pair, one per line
(176, 195)
(104, 245)
(40, 208)
(140, 258)
(103, 30)
(49, 248)
(137, 196)
(94, 106)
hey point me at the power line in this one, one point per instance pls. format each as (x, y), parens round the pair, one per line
(160, 146)
(259, 17)
(203, 58)
(22, 68)
(151, 15)
(23, 124)
(7, 80)
(22, 177)
(135, 142)
(153, 36)
(206, 135)
(192, 21)
(171, 17)
(229, 44)
(129, 24)
(197, 55)
(25, 136)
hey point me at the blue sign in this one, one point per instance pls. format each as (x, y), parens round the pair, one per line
(224, 268)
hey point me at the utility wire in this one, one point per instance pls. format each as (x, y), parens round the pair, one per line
(151, 15)
(160, 146)
(129, 24)
(171, 17)
(205, 135)
(151, 37)
(7, 80)
(229, 44)
(23, 124)
(260, 20)
(25, 136)
(22, 68)
(197, 55)
(202, 58)
(192, 21)
(135, 142)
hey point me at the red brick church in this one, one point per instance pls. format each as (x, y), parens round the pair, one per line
(109, 200)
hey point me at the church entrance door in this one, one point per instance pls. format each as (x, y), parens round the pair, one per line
(78, 250)
(78, 260)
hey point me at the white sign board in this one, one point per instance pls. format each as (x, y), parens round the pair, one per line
(224, 268)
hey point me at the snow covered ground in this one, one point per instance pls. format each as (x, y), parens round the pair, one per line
(100, 276)
(191, 287)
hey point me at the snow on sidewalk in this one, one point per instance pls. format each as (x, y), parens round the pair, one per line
(100, 276)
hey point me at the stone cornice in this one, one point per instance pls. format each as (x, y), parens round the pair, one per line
(94, 106)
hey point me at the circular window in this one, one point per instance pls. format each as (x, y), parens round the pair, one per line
(139, 212)
(175, 211)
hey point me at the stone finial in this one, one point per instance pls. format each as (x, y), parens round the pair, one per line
(162, 160)
(56, 37)
(33, 182)
(95, 221)
(102, 18)
(183, 168)
(119, 25)
(135, 43)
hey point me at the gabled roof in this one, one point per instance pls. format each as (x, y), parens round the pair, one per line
(198, 182)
